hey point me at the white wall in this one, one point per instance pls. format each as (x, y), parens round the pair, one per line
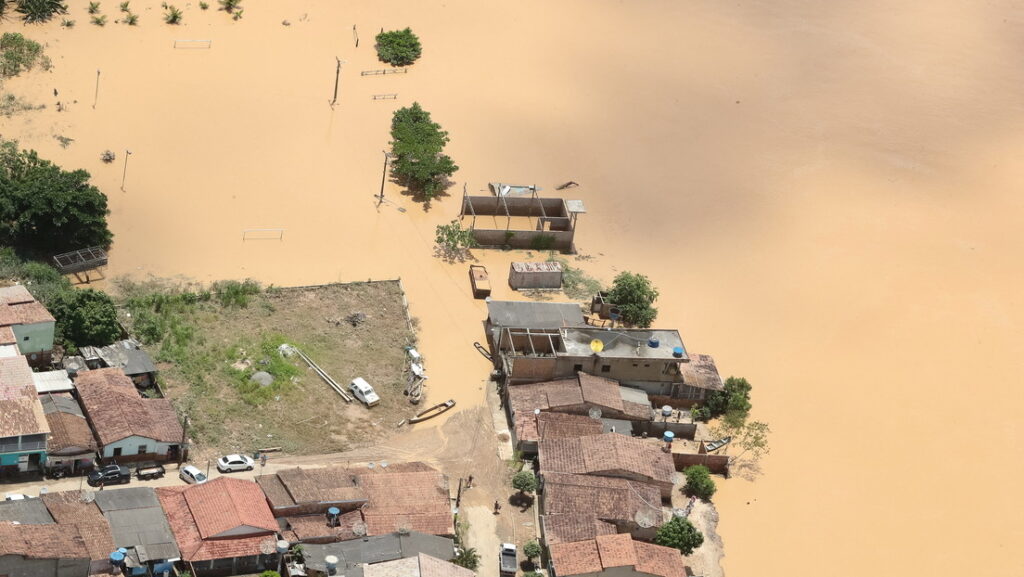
(130, 446)
(40, 337)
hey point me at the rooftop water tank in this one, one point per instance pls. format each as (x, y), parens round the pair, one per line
(669, 436)
(282, 546)
(677, 352)
(330, 562)
(653, 342)
(666, 411)
(117, 558)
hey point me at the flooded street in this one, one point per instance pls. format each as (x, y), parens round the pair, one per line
(827, 196)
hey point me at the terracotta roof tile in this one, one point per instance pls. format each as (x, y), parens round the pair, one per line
(607, 551)
(311, 527)
(42, 541)
(562, 426)
(606, 454)
(7, 336)
(418, 501)
(15, 294)
(77, 509)
(575, 558)
(29, 314)
(574, 527)
(600, 391)
(606, 498)
(226, 503)
(21, 413)
(117, 411)
(15, 375)
(701, 372)
(68, 431)
(190, 516)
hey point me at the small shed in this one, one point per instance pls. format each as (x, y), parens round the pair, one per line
(535, 275)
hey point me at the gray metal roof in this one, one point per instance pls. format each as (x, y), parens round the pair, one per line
(26, 511)
(376, 550)
(617, 426)
(60, 404)
(137, 520)
(534, 315)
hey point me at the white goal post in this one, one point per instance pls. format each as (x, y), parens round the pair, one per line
(263, 234)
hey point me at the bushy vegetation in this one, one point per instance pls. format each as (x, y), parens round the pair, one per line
(268, 360)
(417, 144)
(40, 10)
(679, 533)
(84, 317)
(19, 54)
(398, 47)
(172, 15)
(524, 482)
(46, 210)
(699, 482)
(532, 549)
(453, 241)
(576, 283)
(467, 558)
(634, 295)
(733, 401)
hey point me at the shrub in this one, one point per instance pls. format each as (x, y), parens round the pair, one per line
(679, 533)
(542, 242)
(417, 144)
(172, 16)
(124, 7)
(99, 19)
(67, 23)
(131, 19)
(698, 482)
(634, 295)
(524, 481)
(40, 10)
(231, 293)
(229, 6)
(18, 54)
(453, 240)
(204, 6)
(398, 47)
(85, 318)
(270, 573)
(467, 558)
(94, 7)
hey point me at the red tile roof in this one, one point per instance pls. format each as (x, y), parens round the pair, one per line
(608, 454)
(562, 426)
(117, 411)
(607, 551)
(75, 509)
(701, 372)
(19, 307)
(7, 336)
(606, 498)
(225, 504)
(16, 294)
(68, 431)
(574, 527)
(418, 501)
(21, 411)
(600, 391)
(192, 513)
(42, 541)
(315, 527)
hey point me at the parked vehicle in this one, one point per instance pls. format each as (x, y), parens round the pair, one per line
(363, 391)
(229, 463)
(192, 475)
(109, 475)
(508, 559)
(149, 471)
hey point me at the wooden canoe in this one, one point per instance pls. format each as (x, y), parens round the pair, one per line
(431, 412)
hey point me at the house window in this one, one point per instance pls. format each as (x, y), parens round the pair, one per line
(117, 451)
(605, 368)
(26, 338)
(142, 450)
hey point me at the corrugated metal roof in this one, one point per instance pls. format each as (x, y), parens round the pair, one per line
(52, 382)
(26, 511)
(534, 315)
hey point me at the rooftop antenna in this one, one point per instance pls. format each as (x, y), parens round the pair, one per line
(645, 518)
(594, 413)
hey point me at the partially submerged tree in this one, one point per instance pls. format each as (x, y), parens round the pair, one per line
(698, 482)
(417, 144)
(46, 210)
(751, 438)
(634, 295)
(733, 401)
(40, 10)
(398, 47)
(679, 533)
(453, 241)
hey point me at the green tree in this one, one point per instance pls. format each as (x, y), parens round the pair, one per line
(733, 400)
(85, 318)
(751, 438)
(46, 210)
(679, 533)
(398, 47)
(40, 10)
(18, 54)
(417, 144)
(467, 558)
(524, 482)
(699, 482)
(634, 295)
(532, 549)
(453, 241)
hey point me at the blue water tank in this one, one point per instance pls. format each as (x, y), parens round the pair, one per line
(669, 436)
(122, 551)
(117, 558)
(677, 352)
(334, 511)
(653, 342)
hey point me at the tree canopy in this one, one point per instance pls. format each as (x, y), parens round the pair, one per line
(467, 558)
(733, 401)
(679, 533)
(699, 482)
(634, 295)
(398, 47)
(87, 317)
(46, 210)
(524, 482)
(532, 549)
(417, 144)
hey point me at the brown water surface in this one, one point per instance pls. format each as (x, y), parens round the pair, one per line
(826, 193)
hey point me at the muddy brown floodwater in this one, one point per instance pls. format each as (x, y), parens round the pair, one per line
(826, 193)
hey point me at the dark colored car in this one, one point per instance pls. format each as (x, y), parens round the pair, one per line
(109, 475)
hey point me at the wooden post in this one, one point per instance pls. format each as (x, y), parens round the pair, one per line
(96, 96)
(337, 76)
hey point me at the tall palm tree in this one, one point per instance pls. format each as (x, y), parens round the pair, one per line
(40, 10)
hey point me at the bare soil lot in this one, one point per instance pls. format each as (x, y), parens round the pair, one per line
(209, 378)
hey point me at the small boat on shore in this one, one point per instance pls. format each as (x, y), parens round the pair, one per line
(715, 445)
(431, 412)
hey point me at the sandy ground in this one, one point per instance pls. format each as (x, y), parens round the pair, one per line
(826, 194)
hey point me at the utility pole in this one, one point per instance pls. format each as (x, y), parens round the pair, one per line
(124, 173)
(96, 96)
(337, 77)
(383, 177)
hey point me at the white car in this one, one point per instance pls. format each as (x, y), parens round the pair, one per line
(192, 475)
(229, 463)
(363, 391)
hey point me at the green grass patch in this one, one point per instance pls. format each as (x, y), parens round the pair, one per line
(576, 283)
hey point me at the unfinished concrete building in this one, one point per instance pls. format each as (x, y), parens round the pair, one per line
(531, 223)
